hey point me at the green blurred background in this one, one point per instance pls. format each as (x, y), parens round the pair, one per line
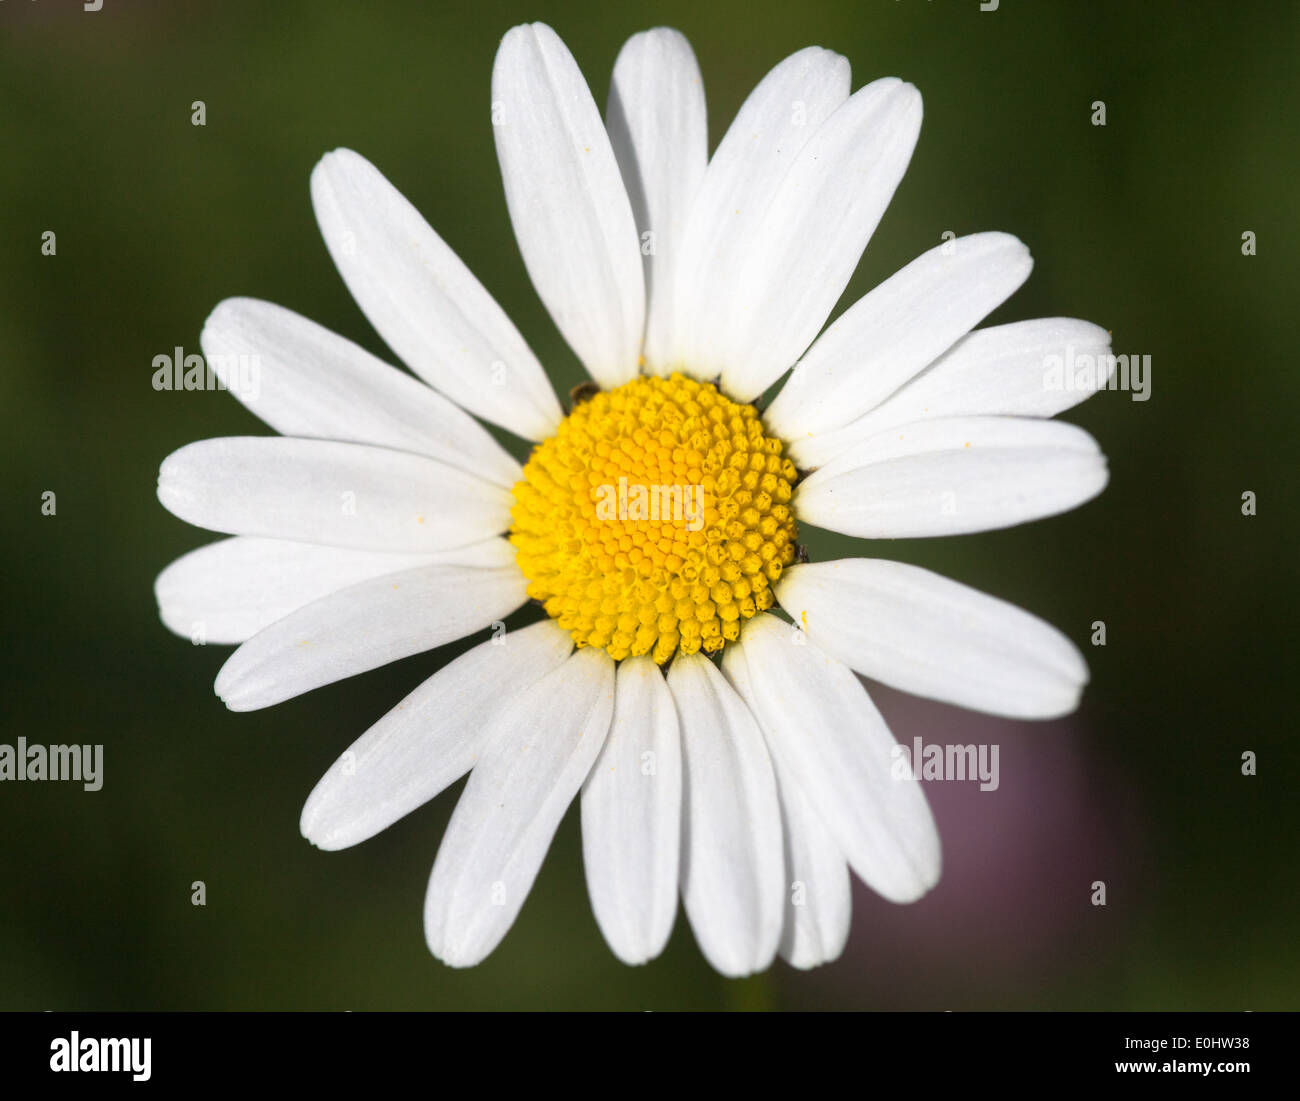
(1136, 225)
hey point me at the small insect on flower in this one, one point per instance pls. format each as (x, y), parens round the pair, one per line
(695, 677)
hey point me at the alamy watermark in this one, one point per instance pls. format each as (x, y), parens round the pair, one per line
(240, 374)
(946, 762)
(89, 1054)
(82, 763)
(680, 504)
(1087, 372)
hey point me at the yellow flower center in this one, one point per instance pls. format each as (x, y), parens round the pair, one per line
(656, 518)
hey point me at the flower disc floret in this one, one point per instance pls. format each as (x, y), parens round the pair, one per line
(656, 519)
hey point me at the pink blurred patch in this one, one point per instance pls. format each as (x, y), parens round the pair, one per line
(1014, 907)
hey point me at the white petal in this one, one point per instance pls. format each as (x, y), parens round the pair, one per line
(926, 634)
(229, 590)
(953, 475)
(540, 749)
(304, 380)
(631, 816)
(1025, 369)
(819, 903)
(567, 202)
(430, 739)
(424, 301)
(746, 170)
(339, 494)
(827, 737)
(659, 131)
(895, 330)
(733, 864)
(365, 626)
(812, 235)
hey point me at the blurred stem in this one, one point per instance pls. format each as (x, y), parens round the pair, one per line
(751, 995)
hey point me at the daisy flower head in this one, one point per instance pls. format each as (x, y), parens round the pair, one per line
(692, 681)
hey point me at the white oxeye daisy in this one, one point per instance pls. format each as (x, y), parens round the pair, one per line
(656, 522)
